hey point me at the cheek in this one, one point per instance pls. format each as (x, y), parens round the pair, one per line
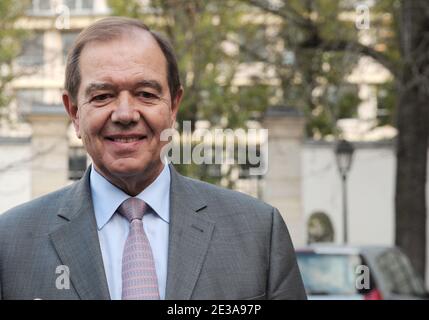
(95, 120)
(92, 123)
(162, 119)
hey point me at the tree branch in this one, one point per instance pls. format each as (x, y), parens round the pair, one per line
(353, 46)
(315, 42)
(288, 13)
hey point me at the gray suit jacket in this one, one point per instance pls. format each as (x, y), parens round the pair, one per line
(222, 245)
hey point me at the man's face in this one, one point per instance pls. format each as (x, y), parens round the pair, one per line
(123, 105)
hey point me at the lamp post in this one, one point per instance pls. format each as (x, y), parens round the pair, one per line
(344, 154)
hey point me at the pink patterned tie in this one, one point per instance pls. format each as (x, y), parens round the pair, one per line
(139, 281)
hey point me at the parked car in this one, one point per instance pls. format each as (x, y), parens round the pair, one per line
(358, 273)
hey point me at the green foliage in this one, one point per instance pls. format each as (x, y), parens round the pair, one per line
(386, 97)
(313, 78)
(347, 104)
(10, 45)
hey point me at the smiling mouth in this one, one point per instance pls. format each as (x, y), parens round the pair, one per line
(125, 139)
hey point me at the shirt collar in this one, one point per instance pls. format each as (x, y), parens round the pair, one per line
(106, 197)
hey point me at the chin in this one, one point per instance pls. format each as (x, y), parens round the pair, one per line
(128, 170)
(131, 167)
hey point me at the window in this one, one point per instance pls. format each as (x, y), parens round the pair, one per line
(27, 98)
(325, 274)
(40, 7)
(32, 51)
(77, 162)
(77, 6)
(399, 274)
(67, 41)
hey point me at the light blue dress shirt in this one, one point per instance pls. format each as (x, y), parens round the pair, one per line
(113, 228)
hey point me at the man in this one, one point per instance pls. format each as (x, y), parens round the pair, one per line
(132, 227)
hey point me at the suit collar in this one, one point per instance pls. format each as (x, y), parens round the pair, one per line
(106, 198)
(77, 245)
(182, 187)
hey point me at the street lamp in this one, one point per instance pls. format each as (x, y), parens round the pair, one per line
(344, 154)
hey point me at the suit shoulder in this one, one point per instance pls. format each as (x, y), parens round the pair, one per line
(32, 209)
(228, 197)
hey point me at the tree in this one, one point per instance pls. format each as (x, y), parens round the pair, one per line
(310, 80)
(10, 46)
(404, 47)
(413, 125)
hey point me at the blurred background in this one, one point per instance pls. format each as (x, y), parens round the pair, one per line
(341, 85)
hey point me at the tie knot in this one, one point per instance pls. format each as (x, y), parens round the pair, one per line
(133, 208)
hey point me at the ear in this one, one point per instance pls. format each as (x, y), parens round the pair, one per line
(72, 111)
(175, 105)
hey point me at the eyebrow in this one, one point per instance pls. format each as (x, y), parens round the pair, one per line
(108, 86)
(150, 84)
(98, 86)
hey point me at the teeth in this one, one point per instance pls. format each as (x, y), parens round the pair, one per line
(125, 140)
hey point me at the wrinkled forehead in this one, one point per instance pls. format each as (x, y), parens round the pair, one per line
(135, 54)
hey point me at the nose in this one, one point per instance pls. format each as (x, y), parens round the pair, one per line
(125, 113)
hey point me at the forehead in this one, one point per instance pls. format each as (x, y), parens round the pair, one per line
(131, 57)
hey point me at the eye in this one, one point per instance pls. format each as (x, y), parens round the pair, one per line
(147, 95)
(101, 97)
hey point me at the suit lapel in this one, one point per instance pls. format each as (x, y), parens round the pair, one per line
(190, 235)
(77, 245)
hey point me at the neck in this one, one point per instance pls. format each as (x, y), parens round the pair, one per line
(133, 184)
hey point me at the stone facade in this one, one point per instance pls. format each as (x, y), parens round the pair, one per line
(283, 179)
